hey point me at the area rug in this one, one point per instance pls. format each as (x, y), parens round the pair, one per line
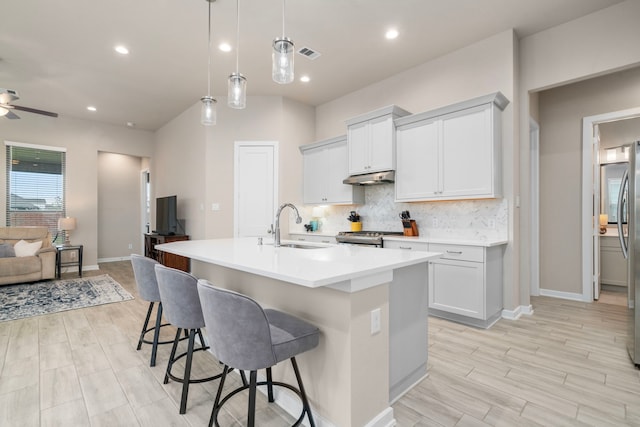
(33, 299)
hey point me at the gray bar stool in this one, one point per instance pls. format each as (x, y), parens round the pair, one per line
(182, 308)
(245, 336)
(145, 275)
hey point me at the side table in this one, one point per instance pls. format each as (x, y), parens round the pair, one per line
(72, 261)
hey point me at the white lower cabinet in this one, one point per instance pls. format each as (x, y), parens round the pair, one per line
(465, 284)
(613, 265)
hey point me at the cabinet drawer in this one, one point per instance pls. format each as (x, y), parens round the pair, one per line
(459, 252)
(409, 245)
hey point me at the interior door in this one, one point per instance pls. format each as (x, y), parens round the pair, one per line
(255, 187)
(596, 213)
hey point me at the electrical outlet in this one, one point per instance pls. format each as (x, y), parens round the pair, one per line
(72, 254)
(130, 245)
(215, 206)
(375, 321)
(434, 222)
(491, 223)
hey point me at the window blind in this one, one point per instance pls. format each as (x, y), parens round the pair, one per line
(35, 186)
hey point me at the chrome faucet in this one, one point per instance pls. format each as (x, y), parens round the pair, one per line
(276, 238)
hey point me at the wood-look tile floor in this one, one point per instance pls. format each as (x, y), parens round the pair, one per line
(566, 365)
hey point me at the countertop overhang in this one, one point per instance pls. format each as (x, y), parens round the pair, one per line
(325, 266)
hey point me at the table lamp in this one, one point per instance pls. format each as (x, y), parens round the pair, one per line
(604, 220)
(66, 224)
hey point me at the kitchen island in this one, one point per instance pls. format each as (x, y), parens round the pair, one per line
(369, 305)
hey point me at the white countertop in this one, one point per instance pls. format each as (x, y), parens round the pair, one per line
(312, 268)
(484, 242)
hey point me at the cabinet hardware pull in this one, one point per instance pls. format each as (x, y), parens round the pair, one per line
(404, 247)
(454, 252)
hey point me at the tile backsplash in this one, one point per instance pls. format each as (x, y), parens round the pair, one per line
(464, 219)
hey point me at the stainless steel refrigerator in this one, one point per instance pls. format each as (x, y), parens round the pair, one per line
(629, 207)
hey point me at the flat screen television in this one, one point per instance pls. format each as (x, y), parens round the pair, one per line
(166, 215)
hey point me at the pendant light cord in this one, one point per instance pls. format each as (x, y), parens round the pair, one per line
(283, 6)
(238, 37)
(209, 54)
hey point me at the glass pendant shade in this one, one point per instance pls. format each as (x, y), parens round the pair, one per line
(208, 111)
(282, 61)
(237, 94)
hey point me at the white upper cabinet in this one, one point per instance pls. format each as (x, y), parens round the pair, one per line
(451, 153)
(325, 165)
(372, 140)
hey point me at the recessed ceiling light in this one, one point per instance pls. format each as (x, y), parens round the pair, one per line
(391, 34)
(225, 47)
(122, 50)
(305, 79)
(91, 108)
(131, 124)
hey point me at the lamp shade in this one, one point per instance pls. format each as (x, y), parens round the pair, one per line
(604, 219)
(237, 94)
(208, 111)
(67, 224)
(282, 60)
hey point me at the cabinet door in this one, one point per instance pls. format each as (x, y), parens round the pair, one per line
(314, 165)
(358, 148)
(457, 287)
(337, 169)
(417, 161)
(467, 153)
(381, 144)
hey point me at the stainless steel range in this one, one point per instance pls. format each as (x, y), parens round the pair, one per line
(368, 238)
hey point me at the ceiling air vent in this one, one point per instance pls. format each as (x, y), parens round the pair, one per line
(308, 52)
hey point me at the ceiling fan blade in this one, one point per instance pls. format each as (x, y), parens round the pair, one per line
(11, 115)
(33, 110)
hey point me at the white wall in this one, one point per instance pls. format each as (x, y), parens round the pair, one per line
(196, 162)
(561, 113)
(593, 45)
(83, 140)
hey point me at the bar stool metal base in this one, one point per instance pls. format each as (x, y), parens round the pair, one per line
(156, 332)
(253, 383)
(186, 380)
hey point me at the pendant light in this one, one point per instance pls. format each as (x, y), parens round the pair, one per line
(282, 57)
(208, 109)
(237, 86)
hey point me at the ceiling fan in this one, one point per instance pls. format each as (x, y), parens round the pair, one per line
(7, 96)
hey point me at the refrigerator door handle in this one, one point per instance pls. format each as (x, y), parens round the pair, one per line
(623, 244)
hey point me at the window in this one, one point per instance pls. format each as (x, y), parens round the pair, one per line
(35, 186)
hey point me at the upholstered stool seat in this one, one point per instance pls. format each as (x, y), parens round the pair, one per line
(181, 302)
(145, 275)
(245, 336)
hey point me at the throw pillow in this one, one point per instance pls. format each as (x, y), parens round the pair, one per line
(6, 250)
(23, 248)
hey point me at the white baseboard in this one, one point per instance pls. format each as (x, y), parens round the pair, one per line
(74, 269)
(116, 259)
(563, 295)
(517, 312)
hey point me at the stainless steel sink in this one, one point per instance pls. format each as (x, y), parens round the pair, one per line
(297, 246)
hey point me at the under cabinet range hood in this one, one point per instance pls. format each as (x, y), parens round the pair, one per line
(385, 177)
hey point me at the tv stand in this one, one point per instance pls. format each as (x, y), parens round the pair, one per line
(165, 258)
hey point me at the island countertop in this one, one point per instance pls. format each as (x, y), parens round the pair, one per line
(327, 265)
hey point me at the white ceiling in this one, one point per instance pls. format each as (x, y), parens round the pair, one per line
(59, 55)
